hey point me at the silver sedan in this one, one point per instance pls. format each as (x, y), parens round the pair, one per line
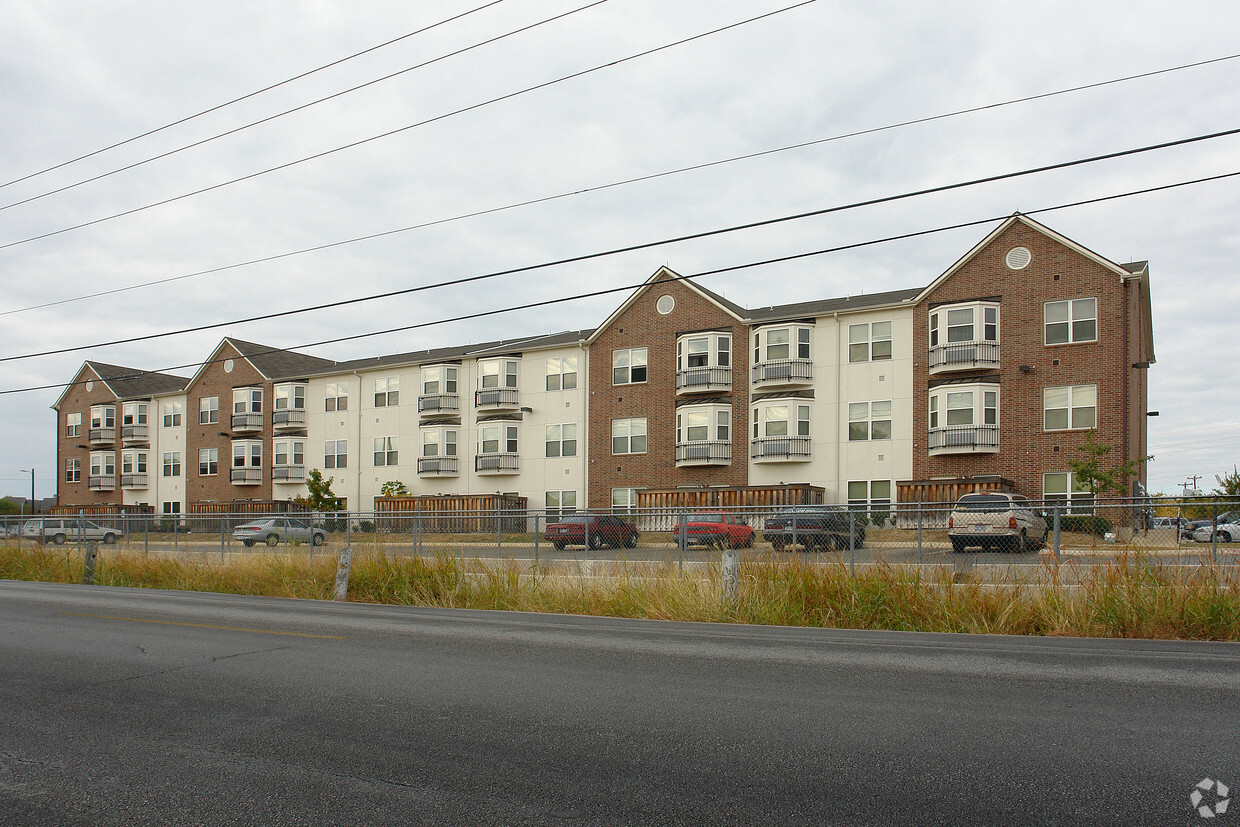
(275, 530)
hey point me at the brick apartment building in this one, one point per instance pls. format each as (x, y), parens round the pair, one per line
(988, 377)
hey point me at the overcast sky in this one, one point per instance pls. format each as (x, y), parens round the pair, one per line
(79, 76)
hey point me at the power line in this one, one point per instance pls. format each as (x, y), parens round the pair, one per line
(407, 127)
(629, 248)
(636, 285)
(249, 95)
(624, 182)
(305, 105)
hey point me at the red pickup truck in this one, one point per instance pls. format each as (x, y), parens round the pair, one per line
(714, 529)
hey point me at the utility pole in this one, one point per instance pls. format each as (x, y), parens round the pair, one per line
(31, 473)
(1191, 484)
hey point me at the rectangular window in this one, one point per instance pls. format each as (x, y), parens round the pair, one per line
(802, 420)
(562, 440)
(624, 500)
(336, 453)
(561, 373)
(247, 401)
(387, 391)
(208, 410)
(133, 462)
(497, 373)
(1073, 407)
(336, 396)
(934, 412)
(628, 366)
(103, 417)
(208, 462)
(628, 436)
(499, 439)
(386, 453)
(290, 397)
(437, 380)
(172, 414)
(73, 468)
(560, 503)
(869, 420)
(1063, 488)
(436, 442)
(869, 342)
(960, 408)
(1071, 321)
(776, 420)
(172, 508)
(172, 463)
(134, 413)
(289, 452)
(73, 424)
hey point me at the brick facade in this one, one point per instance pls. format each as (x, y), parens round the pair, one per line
(86, 390)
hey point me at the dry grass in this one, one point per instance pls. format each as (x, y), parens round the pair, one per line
(1132, 597)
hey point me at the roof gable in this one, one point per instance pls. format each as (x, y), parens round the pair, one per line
(662, 276)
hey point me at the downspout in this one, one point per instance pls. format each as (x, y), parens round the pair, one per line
(585, 426)
(1127, 376)
(839, 385)
(358, 464)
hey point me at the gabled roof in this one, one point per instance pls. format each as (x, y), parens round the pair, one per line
(270, 362)
(127, 383)
(821, 307)
(665, 274)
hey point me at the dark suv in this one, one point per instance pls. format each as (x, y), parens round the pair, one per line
(822, 526)
(592, 530)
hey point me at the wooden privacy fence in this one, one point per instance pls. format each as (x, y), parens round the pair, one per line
(212, 518)
(659, 509)
(452, 514)
(127, 518)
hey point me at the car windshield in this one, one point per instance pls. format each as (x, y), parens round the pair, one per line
(706, 518)
(576, 520)
(984, 502)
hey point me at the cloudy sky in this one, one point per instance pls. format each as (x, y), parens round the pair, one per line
(76, 77)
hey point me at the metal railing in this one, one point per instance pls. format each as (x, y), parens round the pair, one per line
(779, 371)
(780, 447)
(963, 356)
(703, 379)
(964, 438)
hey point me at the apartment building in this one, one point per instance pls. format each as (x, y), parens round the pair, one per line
(989, 376)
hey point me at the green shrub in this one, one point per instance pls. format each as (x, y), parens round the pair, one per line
(1084, 524)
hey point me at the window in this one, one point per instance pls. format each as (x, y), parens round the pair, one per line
(624, 500)
(869, 420)
(172, 463)
(103, 417)
(871, 497)
(73, 425)
(704, 424)
(1063, 488)
(387, 391)
(208, 410)
(628, 366)
(497, 373)
(1070, 408)
(869, 341)
(247, 455)
(499, 439)
(247, 401)
(208, 462)
(172, 508)
(439, 442)
(133, 462)
(698, 351)
(336, 396)
(960, 408)
(439, 379)
(102, 465)
(172, 414)
(561, 373)
(336, 453)
(289, 452)
(560, 503)
(1071, 321)
(562, 440)
(386, 452)
(134, 413)
(290, 397)
(73, 467)
(628, 436)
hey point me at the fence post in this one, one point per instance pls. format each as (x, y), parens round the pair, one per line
(920, 551)
(852, 542)
(223, 529)
(88, 567)
(146, 538)
(537, 537)
(682, 539)
(1055, 544)
(342, 573)
(1214, 534)
(730, 573)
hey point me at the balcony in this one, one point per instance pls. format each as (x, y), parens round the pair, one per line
(103, 482)
(247, 422)
(440, 466)
(133, 481)
(133, 434)
(497, 399)
(703, 453)
(102, 436)
(963, 356)
(783, 373)
(780, 449)
(286, 420)
(441, 404)
(246, 476)
(964, 439)
(493, 464)
(703, 380)
(288, 473)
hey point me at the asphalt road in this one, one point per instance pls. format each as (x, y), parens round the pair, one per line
(129, 707)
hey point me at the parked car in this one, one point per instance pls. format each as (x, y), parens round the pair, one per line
(1224, 532)
(996, 520)
(56, 530)
(1183, 526)
(716, 529)
(13, 530)
(275, 530)
(821, 526)
(591, 530)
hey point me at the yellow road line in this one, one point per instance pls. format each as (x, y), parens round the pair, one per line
(205, 626)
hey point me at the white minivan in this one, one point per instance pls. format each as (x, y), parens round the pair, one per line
(996, 520)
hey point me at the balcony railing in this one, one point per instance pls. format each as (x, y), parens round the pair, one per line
(497, 463)
(102, 436)
(292, 418)
(135, 433)
(103, 482)
(133, 481)
(703, 453)
(963, 356)
(247, 422)
(497, 398)
(697, 380)
(783, 372)
(772, 448)
(438, 466)
(440, 403)
(246, 476)
(288, 473)
(964, 439)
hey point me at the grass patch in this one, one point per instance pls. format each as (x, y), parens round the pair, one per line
(1132, 597)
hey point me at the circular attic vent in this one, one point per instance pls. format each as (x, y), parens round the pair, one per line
(665, 305)
(1018, 258)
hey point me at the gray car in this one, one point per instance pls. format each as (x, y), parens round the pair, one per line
(275, 530)
(56, 530)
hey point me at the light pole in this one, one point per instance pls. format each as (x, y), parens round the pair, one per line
(31, 473)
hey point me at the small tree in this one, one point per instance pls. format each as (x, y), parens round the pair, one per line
(1229, 484)
(393, 488)
(1092, 477)
(320, 496)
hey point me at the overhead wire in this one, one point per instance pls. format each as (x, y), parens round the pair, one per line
(407, 127)
(624, 182)
(265, 317)
(249, 95)
(636, 285)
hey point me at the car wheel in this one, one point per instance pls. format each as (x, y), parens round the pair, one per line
(247, 543)
(958, 545)
(630, 542)
(109, 539)
(558, 545)
(318, 539)
(272, 539)
(1022, 542)
(778, 545)
(596, 542)
(58, 539)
